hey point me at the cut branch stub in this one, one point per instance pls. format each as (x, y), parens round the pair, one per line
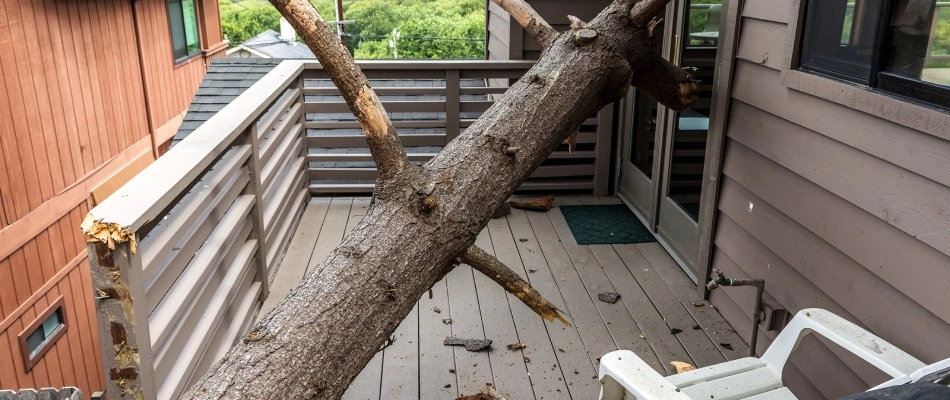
(381, 136)
(508, 279)
(584, 36)
(530, 20)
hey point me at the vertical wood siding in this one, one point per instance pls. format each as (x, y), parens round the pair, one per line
(50, 266)
(834, 208)
(71, 99)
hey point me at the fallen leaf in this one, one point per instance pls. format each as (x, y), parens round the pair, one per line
(516, 346)
(726, 346)
(681, 366)
(675, 331)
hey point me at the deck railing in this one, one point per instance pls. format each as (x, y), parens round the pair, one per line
(182, 256)
(196, 237)
(430, 104)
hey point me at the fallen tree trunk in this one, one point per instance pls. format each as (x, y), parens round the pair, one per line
(423, 219)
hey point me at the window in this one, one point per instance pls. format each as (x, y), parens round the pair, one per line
(40, 336)
(183, 20)
(897, 46)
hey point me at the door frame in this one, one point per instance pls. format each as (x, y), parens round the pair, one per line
(718, 123)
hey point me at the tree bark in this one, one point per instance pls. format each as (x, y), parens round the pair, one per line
(422, 218)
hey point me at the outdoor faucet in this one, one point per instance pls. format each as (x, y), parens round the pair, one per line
(759, 284)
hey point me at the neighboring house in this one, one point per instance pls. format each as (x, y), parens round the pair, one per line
(92, 92)
(270, 44)
(816, 159)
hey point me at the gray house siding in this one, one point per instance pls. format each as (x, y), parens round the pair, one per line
(506, 39)
(839, 198)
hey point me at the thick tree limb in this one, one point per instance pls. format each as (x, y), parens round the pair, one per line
(512, 282)
(315, 342)
(530, 20)
(383, 142)
(667, 83)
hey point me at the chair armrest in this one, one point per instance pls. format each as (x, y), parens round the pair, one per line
(876, 351)
(623, 371)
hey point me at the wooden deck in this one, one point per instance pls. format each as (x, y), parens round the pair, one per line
(559, 362)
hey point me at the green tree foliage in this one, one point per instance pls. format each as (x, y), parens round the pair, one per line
(428, 29)
(244, 19)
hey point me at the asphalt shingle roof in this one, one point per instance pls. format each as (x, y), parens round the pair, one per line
(224, 81)
(271, 44)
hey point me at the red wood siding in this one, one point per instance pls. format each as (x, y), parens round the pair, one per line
(71, 98)
(51, 265)
(170, 86)
(73, 111)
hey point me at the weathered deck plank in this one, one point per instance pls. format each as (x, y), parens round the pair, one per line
(541, 249)
(539, 353)
(473, 369)
(508, 367)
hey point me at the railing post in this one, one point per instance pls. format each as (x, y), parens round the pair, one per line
(119, 289)
(453, 104)
(605, 121)
(305, 150)
(256, 188)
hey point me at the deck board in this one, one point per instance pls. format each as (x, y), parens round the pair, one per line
(559, 362)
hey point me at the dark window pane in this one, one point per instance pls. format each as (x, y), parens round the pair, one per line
(914, 38)
(840, 37)
(177, 24)
(190, 20)
(34, 341)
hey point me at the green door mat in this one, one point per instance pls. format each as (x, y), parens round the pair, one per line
(609, 224)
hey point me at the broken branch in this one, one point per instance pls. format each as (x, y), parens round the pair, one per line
(643, 11)
(508, 279)
(532, 22)
(336, 60)
(667, 83)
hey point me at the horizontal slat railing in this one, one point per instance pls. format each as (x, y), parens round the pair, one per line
(200, 233)
(431, 103)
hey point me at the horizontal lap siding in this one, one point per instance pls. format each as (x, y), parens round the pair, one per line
(54, 260)
(71, 100)
(499, 33)
(834, 208)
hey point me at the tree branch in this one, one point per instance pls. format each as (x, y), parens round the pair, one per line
(644, 10)
(381, 136)
(665, 82)
(504, 276)
(532, 22)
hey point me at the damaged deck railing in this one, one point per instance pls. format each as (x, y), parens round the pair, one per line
(181, 255)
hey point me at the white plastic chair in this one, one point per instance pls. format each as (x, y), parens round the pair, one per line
(623, 373)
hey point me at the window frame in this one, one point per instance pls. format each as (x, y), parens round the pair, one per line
(30, 360)
(879, 81)
(182, 29)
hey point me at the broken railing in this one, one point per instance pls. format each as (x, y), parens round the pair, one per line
(181, 256)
